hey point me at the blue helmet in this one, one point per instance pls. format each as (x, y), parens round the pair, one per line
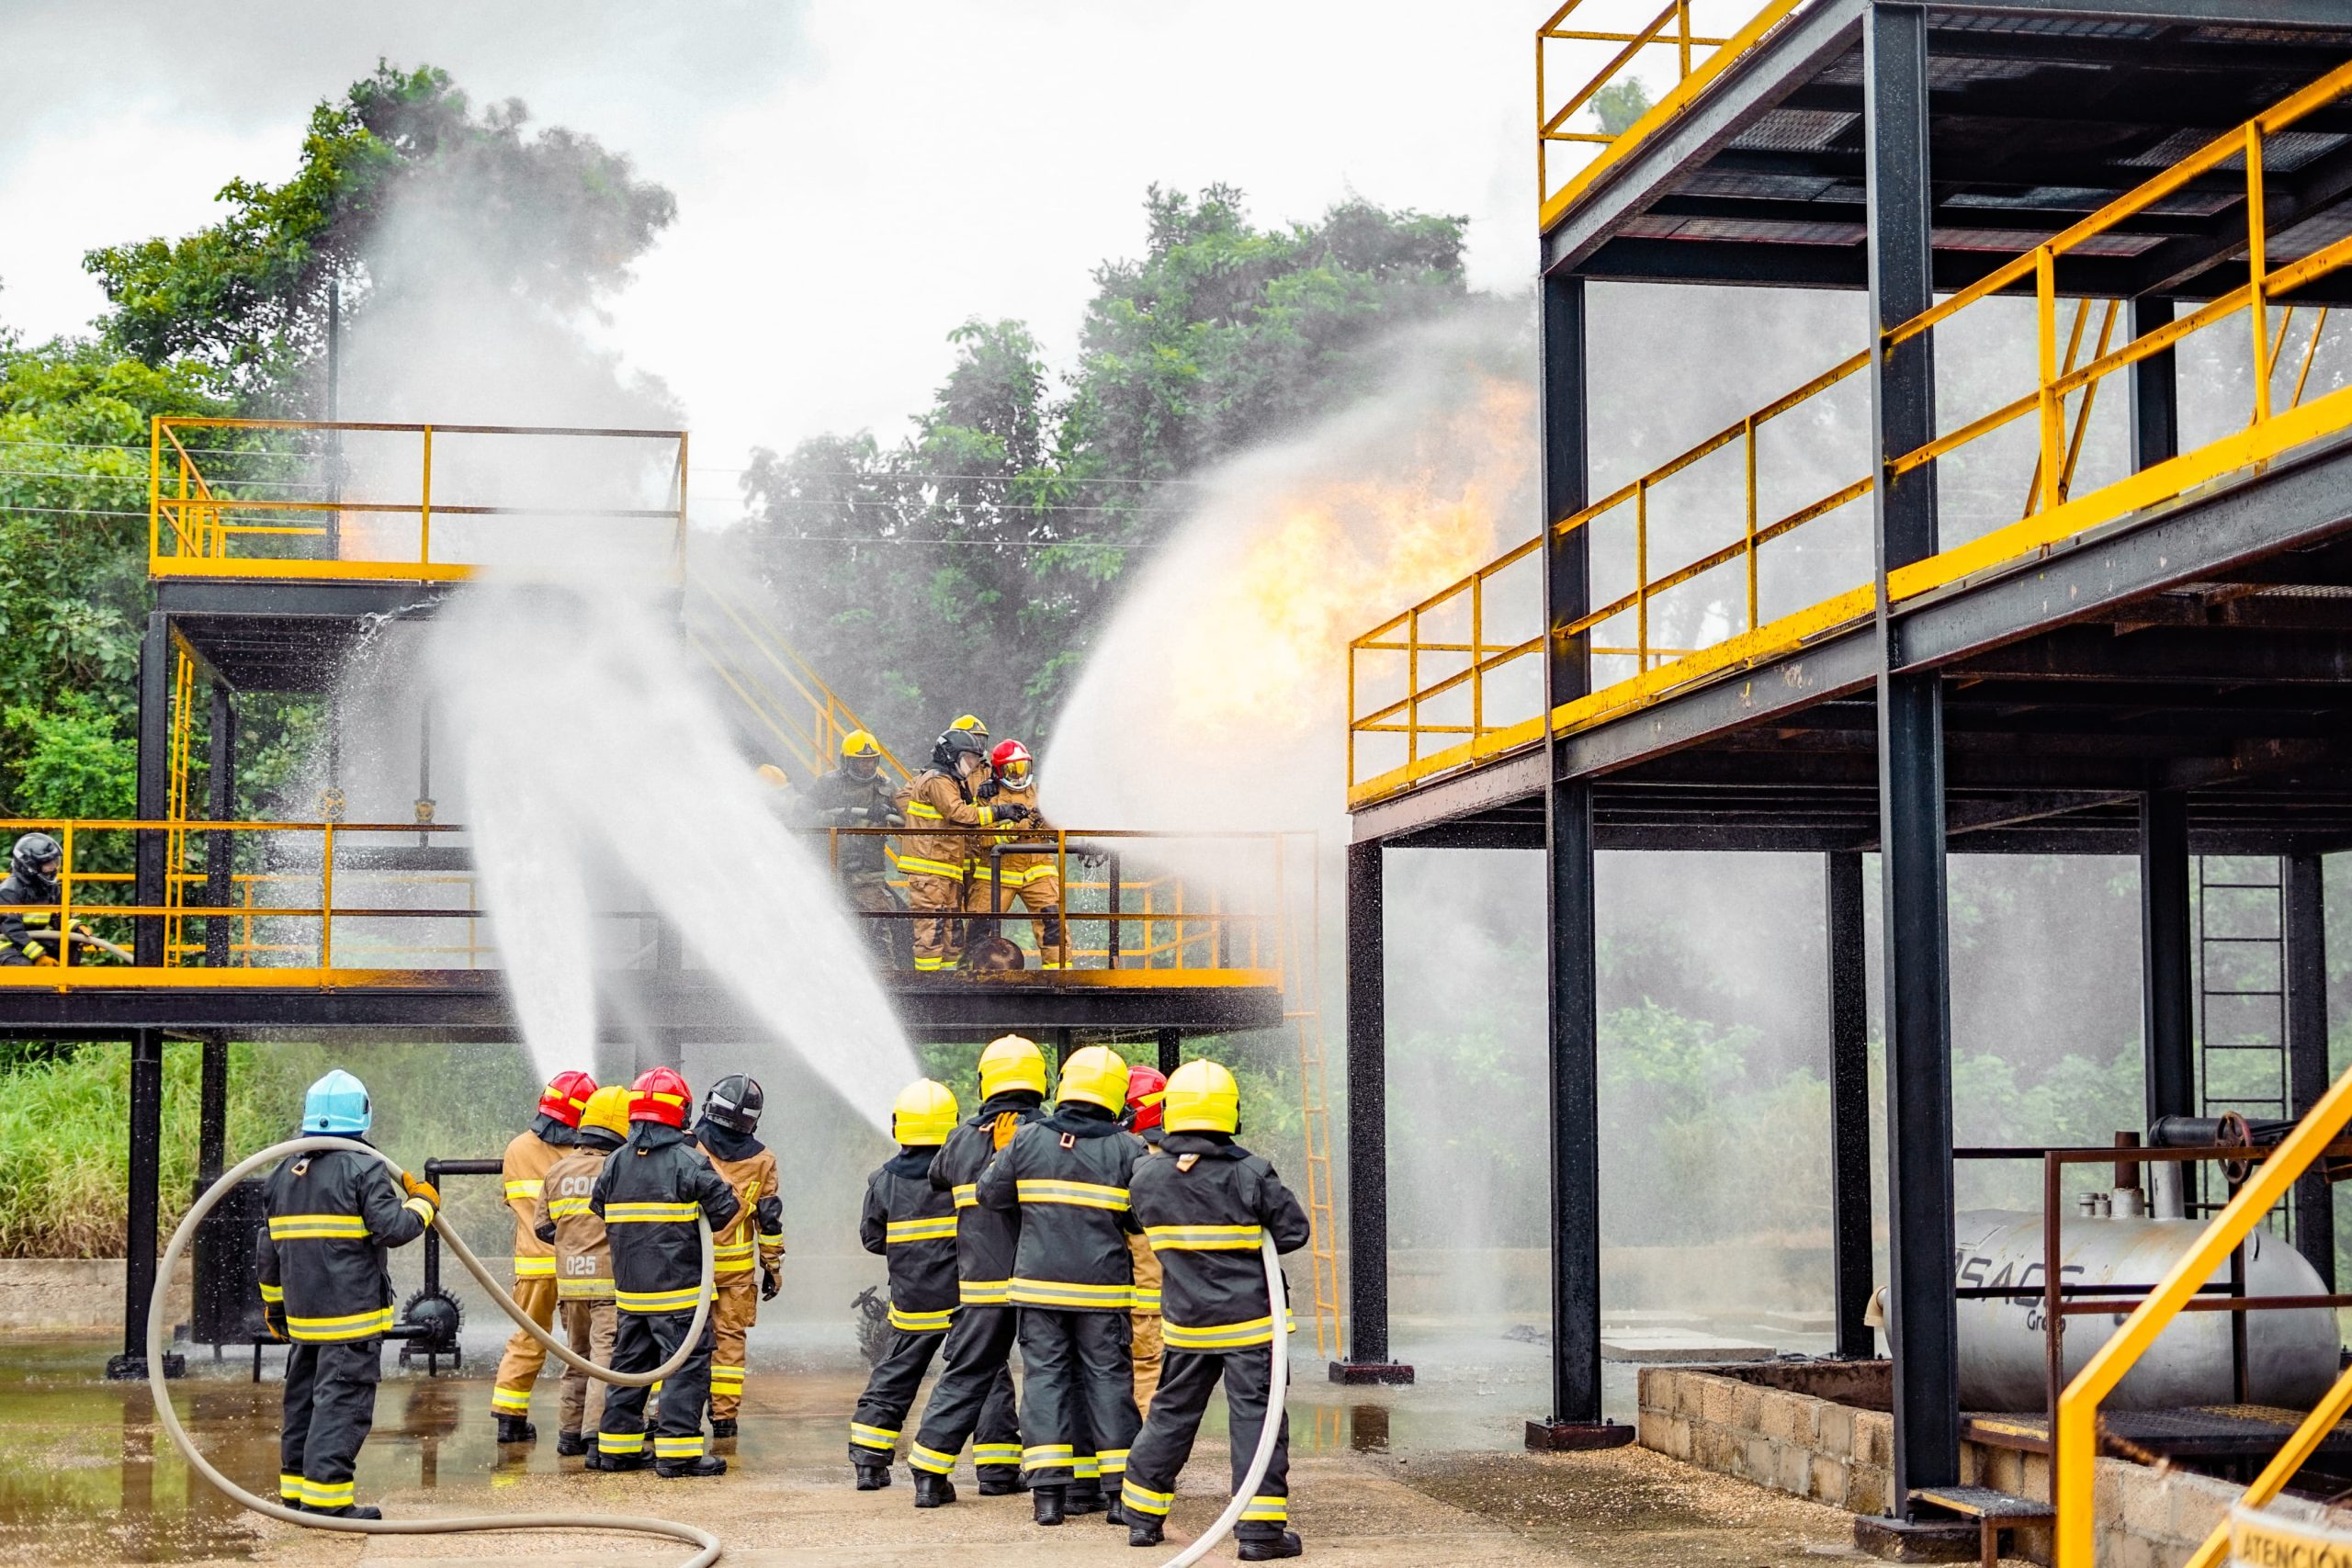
(336, 1103)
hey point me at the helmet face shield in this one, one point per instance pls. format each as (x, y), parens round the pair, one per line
(1016, 773)
(862, 767)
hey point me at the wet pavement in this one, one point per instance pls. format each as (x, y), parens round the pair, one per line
(1431, 1473)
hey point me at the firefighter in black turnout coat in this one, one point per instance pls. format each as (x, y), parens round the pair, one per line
(1205, 1203)
(333, 1214)
(974, 1393)
(1073, 1278)
(911, 1224)
(649, 1194)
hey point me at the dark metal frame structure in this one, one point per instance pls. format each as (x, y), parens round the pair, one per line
(2179, 684)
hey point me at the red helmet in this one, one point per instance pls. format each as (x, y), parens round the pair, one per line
(661, 1095)
(1147, 1087)
(1010, 761)
(566, 1096)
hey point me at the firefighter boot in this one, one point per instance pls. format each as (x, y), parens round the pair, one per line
(616, 1462)
(874, 1477)
(348, 1511)
(1045, 1502)
(1266, 1548)
(1114, 1514)
(571, 1444)
(1001, 1488)
(721, 1427)
(516, 1429)
(1083, 1497)
(687, 1469)
(1145, 1531)
(932, 1491)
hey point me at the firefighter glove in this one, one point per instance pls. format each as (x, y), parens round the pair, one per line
(771, 1282)
(43, 961)
(274, 1319)
(417, 1186)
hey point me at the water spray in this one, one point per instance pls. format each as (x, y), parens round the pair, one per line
(707, 1548)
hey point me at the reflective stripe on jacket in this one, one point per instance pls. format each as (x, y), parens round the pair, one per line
(1019, 869)
(985, 1240)
(524, 1171)
(1204, 1205)
(931, 800)
(649, 1194)
(761, 1211)
(1068, 1175)
(912, 1226)
(321, 1259)
(583, 1258)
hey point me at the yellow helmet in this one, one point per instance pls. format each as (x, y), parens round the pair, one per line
(774, 776)
(924, 1114)
(1011, 1062)
(608, 1109)
(1202, 1098)
(1098, 1076)
(971, 722)
(860, 743)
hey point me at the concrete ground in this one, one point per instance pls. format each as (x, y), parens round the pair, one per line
(1427, 1474)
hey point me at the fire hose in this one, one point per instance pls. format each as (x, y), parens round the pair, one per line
(708, 1545)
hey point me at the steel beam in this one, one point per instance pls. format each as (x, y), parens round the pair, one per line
(1169, 1044)
(144, 1137)
(212, 1111)
(2305, 917)
(1849, 1102)
(1922, 1328)
(2166, 1028)
(1367, 1348)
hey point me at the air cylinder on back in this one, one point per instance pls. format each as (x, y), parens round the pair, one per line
(2291, 1354)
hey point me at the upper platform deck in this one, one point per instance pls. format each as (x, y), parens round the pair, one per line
(2116, 606)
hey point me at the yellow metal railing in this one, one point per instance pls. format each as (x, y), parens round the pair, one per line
(781, 690)
(1668, 31)
(2074, 1457)
(1433, 690)
(261, 498)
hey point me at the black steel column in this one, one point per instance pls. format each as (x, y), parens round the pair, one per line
(145, 1162)
(221, 805)
(2305, 916)
(2155, 394)
(2168, 1033)
(1849, 1103)
(212, 1111)
(154, 785)
(1170, 1043)
(1367, 1346)
(1922, 1328)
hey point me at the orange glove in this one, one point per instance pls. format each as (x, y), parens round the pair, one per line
(417, 1186)
(44, 962)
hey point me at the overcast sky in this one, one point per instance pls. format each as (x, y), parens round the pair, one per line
(854, 180)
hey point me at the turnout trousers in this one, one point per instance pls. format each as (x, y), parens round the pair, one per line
(642, 1341)
(518, 1369)
(1147, 1355)
(972, 1399)
(330, 1406)
(1185, 1383)
(1077, 1394)
(869, 893)
(937, 902)
(588, 1329)
(737, 1304)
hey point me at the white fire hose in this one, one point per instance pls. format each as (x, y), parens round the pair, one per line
(1278, 1383)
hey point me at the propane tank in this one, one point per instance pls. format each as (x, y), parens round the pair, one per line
(2292, 1356)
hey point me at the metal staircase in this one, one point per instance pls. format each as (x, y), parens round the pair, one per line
(787, 699)
(2241, 986)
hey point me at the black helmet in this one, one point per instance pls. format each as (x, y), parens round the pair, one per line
(734, 1103)
(954, 744)
(36, 859)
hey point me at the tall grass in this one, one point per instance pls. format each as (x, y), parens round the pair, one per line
(64, 1182)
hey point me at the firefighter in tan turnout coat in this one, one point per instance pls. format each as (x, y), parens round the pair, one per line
(583, 1260)
(525, 1170)
(725, 1135)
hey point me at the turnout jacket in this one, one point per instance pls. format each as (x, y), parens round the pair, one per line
(1020, 871)
(28, 937)
(525, 1170)
(985, 1240)
(931, 801)
(1067, 1176)
(750, 1169)
(840, 800)
(912, 1225)
(648, 1195)
(333, 1214)
(584, 1257)
(1204, 1202)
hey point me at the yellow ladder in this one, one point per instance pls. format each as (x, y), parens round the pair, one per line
(779, 688)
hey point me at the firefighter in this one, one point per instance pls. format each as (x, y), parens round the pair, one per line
(29, 935)
(525, 1169)
(912, 1225)
(729, 1119)
(648, 1195)
(1203, 1202)
(1067, 1176)
(941, 799)
(1147, 1088)
(973, 1397)
(583, 1262)
(971, 725)
(333, 1214)
(856, 793)
(1035, 880)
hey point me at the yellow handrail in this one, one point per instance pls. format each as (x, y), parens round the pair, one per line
(1437, 670)
(2076, 1449)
